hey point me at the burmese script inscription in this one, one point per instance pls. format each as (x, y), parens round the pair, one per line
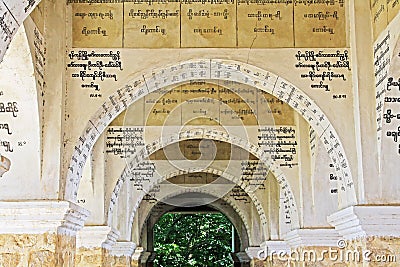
(209, 23)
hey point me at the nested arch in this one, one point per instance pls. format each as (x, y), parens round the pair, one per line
(212, 134)
(214, 70)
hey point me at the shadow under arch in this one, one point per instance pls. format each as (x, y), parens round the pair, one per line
(211, 69)
(212, 134)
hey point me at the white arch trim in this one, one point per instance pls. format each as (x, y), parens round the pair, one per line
(212, 69)
(14, 13)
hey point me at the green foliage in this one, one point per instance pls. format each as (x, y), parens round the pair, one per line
(201, 240)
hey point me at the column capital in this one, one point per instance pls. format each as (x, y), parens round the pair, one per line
(74, 219)
(363, 221)
(37, 217)
(308, 237)
(123, 248)
(111, 239)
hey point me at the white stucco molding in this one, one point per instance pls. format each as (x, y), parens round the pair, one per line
(123, 249)
(362, 221)
(36, 217)
(111, 239)
(312, 237)
(267, 248)
(96, 237)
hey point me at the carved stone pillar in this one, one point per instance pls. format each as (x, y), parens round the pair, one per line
(371, 233)
(93, 244)
(74, 220)
(112, 237)
(39, 233)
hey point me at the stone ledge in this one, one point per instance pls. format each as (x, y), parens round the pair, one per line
(363, 221)
(144, 256)
(95, 237)
(312, 237)
(36, 217)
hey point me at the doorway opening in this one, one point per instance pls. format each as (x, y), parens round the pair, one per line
(205, 237)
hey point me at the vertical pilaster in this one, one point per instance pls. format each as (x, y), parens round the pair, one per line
(52, 98)
(361, 41)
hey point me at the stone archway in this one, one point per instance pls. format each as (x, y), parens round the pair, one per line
(212, 69)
